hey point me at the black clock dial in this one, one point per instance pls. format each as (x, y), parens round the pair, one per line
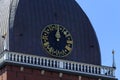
(56, 40)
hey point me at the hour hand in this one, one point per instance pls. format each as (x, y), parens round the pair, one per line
(57, 35)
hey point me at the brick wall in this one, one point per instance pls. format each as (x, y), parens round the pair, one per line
(25, 73)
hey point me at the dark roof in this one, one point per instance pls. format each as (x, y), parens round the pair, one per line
(33, 15)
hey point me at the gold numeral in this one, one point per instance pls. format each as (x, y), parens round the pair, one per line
(51, 50)
(45, 37)
(46, 44)
(68, 48)
(69, 42)
(67, 35)
(46, 31)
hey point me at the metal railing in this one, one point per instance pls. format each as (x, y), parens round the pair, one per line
(57, 64)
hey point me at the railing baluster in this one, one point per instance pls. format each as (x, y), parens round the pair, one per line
(43, 60)
(47, 62)
(53, 63)
(68, 65)
(30, 60)
(26, 59)
(88, 68)
(20, 58)
(12, 57)
(97, 70)
(64, 65)
(58, 64)
(37, 60)
(40, 61)
(33, 60)
(23, 59)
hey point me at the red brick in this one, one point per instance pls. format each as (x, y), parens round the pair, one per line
(36, 72)
(28, 70)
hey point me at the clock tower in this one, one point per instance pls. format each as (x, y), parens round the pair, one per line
(48, 40)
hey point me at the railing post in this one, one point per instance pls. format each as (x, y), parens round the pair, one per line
(113, 72)
(8, 57)
(5, 56)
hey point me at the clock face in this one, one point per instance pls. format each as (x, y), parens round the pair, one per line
(57, 40)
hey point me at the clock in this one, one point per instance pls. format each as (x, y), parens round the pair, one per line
(56, 40)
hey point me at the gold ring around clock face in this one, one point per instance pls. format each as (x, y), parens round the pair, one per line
(57, 40)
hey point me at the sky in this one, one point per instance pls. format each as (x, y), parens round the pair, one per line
(105, 18)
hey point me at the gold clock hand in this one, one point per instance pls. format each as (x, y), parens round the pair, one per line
(57, 35)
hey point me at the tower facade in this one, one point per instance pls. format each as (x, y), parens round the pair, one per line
(48, 40)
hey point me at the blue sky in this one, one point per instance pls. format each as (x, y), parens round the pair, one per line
(105, 18)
